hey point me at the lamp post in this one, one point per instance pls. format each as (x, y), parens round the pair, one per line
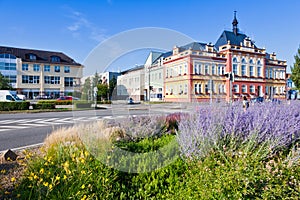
(95, 94)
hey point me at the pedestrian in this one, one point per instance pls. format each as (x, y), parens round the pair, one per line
(245, 103)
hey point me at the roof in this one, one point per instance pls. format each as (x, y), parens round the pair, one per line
(196, 46)
(163, 55)
(136, 68)
(41, 55)
(230, 36)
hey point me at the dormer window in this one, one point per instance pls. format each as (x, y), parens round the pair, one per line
(31, 56)
(55, 59)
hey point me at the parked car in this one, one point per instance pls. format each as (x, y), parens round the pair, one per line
(41, 97)
(257, 100)
(130, 100)
(67, 98)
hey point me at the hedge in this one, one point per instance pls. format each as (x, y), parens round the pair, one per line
(9, 106)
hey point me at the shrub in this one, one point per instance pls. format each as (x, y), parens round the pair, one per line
(9, 106)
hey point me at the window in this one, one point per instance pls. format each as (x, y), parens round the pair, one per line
(180, 70)
(236, 89)
(244, 88)
(30, 79)
(24, 67)
(67, 69)
(252, 89)
(198, 88)
(185, 69)
(267, 90)
(31, 56)
(206, 88)
(52, 79)
(243, 70)
(244, 67)
(55, 59)
(206, 70)
(258, 71)
(213, 69)
(270, 73)
(234, 66)
(180, 89)
(220, 70)
(69, 81)
(185, 89)
(196, 69)
(167, 73)
(159, 75)
(46, 68)
(251, 70)
(267, 73)
(36, 67)
(57, 68)
(11, 78)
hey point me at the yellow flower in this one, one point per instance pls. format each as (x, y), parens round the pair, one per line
(3, 171)
(46, 184)
(84, 197)
(65, 177)
(6, 192)
(83, 172)
(83, 186)
(42, 171)
(50, 186)
(35, 177)
(57, 178)
(18, 195)
(13, 179)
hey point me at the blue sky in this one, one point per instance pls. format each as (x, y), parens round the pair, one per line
(76, 27)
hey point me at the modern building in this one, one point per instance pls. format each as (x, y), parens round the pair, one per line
(37, 72)
(154, 76)
(231, 68)
(131, 83)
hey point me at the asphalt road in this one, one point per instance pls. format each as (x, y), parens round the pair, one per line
(23, 129)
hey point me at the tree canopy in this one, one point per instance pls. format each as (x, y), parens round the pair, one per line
(4, 83)
(296, 70)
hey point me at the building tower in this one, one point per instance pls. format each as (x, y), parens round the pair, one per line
(234, 24)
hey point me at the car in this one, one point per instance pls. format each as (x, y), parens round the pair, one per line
(257, 100)
(130, 100)
(67, 98)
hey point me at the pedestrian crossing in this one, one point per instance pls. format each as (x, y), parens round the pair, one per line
(10, 124)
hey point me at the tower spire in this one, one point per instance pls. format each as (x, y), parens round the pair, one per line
(234, 24)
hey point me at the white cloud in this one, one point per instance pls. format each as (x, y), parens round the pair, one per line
(85, 28)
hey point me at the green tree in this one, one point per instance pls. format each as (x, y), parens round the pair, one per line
(86, 89)
(4, 83)
(296, 70)
(102, 91)
(112, 86)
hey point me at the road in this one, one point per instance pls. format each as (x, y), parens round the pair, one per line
(23, 129)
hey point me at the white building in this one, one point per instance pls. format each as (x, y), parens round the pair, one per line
(131, 84)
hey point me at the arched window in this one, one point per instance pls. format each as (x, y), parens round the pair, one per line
(234, 66)
(251, 68)
(244, 71)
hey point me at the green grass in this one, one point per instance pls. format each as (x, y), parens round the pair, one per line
(69, 171)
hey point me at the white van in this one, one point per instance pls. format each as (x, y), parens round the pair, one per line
(6, 95)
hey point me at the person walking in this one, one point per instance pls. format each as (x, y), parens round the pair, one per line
(245, 103)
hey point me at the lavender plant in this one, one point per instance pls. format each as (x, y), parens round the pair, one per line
(139, 127)
(274, 126)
